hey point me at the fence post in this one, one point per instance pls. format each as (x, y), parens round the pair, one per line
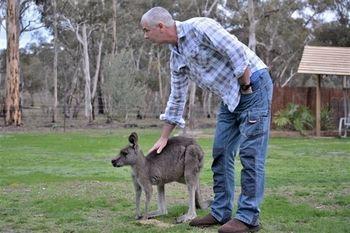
(318, 106)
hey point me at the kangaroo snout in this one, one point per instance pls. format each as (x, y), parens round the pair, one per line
(115, 163)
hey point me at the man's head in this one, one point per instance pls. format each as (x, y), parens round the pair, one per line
(159, 26)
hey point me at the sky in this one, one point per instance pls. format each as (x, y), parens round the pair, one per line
(27, 37)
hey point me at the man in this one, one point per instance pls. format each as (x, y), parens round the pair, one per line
(203, 51)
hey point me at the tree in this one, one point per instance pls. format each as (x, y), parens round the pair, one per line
(252, 25)
(83, 25)
(55, 103)
(33, 71)
(123, 90)
(12, 95)
(335, 33)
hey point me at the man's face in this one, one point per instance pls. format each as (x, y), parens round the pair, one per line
(152, 33)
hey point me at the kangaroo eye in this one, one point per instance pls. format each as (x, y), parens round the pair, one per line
(123, 153)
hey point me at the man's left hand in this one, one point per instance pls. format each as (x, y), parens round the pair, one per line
(248, 91)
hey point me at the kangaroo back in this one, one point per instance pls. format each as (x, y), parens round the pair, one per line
(169, 165)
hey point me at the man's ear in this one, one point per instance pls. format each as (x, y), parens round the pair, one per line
(161, 26)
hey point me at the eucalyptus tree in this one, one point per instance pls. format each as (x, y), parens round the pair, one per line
(55, 32)
(12, 94)
(336, 32)
(86, 20)
(15, 25)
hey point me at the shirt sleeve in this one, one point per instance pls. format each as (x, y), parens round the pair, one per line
(177, 99)
(215, 36)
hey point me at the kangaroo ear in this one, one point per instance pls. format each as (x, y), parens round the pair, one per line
(133, 138)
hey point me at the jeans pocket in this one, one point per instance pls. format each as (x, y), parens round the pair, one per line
(255, 124)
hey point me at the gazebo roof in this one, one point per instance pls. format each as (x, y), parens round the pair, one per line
(325, 60)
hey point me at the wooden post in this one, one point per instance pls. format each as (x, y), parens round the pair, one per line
(318, 106)
(345, 102)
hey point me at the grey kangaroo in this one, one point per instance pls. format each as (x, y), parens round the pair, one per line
(181, 161)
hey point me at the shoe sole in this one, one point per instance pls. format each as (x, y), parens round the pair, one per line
(205, 226)
(254, 229)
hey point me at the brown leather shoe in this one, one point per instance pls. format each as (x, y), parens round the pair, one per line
(236, 226)
(205, 221)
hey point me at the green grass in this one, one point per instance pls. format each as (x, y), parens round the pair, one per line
(64, 182)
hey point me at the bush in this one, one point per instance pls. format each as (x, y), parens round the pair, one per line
(294, 117)
(123, 86)
(327, 121)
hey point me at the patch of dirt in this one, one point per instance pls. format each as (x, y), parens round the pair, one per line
(156, 223)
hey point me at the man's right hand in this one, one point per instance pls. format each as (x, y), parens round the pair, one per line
(163, 140)
(159, 145)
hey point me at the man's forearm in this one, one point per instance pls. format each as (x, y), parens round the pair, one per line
(245, 79)
(167, 129)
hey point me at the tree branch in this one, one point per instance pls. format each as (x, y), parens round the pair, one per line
(292, 74)
(80, 39)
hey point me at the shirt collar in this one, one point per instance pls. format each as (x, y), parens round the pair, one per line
(181, 32)
(180, 29)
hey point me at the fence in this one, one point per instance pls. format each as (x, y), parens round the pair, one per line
(332, 98)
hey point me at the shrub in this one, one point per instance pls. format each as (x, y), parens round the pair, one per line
(327, 121)
(294, 117)
(123, 85)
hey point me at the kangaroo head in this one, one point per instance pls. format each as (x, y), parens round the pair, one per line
(129, 154)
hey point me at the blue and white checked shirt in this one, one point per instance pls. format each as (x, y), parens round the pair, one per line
(210, 56)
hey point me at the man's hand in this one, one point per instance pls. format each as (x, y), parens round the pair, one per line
(163, 140)
(159, 145)
(248, 91)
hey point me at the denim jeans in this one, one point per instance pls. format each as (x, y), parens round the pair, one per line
(246, 130)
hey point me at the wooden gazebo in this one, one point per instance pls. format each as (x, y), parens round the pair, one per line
(324, 61)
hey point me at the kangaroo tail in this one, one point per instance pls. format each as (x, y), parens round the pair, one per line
(200, 204)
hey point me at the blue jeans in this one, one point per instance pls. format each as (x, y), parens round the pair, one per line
(247, 130)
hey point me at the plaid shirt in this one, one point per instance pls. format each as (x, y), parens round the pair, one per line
(211, 57)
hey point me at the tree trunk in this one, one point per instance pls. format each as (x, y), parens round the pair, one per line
(114, 26)
(86, 69)
(70, 96)
(206, 97)
(150, 60)
(12, 96)
(55, 103)
(100, 99)
(159, 67)
(252, 25)
(209, 105)
(97, 73)
(191, 118)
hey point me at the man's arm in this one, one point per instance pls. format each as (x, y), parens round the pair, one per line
(163, 140)
(174, 110)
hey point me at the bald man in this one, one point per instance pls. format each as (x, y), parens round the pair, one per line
(204, 52)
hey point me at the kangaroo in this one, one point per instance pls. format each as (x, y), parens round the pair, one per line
(181, 161)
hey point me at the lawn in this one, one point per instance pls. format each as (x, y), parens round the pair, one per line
(64, 182)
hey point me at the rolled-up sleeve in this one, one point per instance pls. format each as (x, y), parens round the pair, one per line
(177, 99)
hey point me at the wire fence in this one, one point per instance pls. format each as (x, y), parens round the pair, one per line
(42, 115)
